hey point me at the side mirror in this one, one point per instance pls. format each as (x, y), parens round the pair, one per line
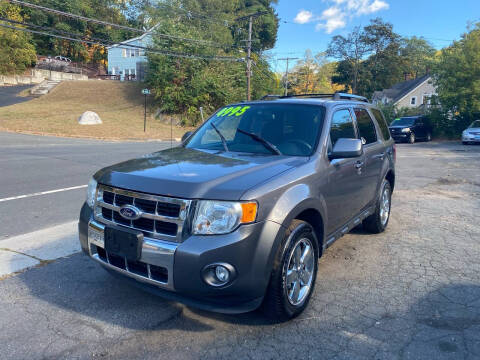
(346, 148)
(186, 136)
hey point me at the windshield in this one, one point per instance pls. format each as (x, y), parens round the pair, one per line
(475, 124)
(403, 122)
(278, 129)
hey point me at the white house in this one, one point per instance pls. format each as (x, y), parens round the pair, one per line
(127, 62)
(413, 93)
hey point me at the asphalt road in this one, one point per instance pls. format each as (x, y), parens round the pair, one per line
(31, 164)
(412, 292)
(8, 94)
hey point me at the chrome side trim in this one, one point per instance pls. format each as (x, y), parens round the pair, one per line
(154, 252)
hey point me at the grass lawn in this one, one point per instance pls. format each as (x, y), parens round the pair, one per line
(119, 105)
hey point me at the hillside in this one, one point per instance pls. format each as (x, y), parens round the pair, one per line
(119, 105)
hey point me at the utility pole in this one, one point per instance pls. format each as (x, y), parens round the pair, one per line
(248, 59)
(286, 73)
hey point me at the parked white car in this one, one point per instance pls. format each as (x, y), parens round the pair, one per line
(472, 133)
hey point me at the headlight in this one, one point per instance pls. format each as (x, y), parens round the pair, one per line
(222, 217)
(91, 192)
(406, 130)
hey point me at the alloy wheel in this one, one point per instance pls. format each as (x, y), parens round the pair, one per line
(299, 274)
(385, 206)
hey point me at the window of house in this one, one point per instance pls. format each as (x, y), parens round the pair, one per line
(426, 99)
(413, 100)
(132, 52)
(137, 52)
(366, 127)
(124, 52)
(342, 126)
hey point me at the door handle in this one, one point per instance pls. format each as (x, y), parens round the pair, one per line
(379, 156)
(359, 164)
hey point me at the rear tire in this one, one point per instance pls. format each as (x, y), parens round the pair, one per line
(284, 300)
(378, 221)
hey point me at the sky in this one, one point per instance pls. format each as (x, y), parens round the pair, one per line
(310, 24)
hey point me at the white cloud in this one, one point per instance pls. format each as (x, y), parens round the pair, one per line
(303, 17)
(336, 16)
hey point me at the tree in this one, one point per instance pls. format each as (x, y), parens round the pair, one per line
(351, 49)
(312, 74)
(380, 38)
(107, 10)
(16, 51)
(418, 54)
(181, 86)
(456, 76)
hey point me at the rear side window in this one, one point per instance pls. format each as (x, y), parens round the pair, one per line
(342, 126)
(381, 123)
(366, 127)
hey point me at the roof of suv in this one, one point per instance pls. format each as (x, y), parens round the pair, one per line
(309, 101)
(315, 99)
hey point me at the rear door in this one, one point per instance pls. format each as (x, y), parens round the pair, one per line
(374, 155)
(343, 197)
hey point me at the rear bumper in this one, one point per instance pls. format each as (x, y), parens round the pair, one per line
(183, 263)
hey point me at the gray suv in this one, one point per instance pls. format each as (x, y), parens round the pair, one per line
(238, 215)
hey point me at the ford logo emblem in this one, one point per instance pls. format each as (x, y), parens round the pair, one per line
(130, 212)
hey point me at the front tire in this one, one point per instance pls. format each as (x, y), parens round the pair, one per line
(378, 221)
(411, 138)
(294, 273)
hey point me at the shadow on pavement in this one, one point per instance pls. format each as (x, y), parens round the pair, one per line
(443, 324)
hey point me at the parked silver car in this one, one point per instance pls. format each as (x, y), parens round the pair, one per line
(472, 133)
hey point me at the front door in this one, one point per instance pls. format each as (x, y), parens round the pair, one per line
(343, 197)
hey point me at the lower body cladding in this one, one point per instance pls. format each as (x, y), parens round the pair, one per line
(183, 271)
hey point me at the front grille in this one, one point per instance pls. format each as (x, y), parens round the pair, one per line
(152, 272)
(161, 217)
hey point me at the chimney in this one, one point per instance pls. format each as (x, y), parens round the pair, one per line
(407, 76)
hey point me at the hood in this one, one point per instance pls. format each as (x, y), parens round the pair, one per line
(400, 126)
(195, 174)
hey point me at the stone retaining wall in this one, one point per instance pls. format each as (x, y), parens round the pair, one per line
(37, 76)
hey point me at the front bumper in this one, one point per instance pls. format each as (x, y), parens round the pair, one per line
(400, 136)
(471, 138)
(182, 263)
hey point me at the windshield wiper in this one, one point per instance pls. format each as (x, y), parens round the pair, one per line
(224, 142)
(261, 140)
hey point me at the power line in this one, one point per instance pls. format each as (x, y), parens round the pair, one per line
(155, 51)
(83, 18)
(79, 17)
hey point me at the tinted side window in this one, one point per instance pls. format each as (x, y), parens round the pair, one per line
(342, 126)
(381, 123)
(366, 126)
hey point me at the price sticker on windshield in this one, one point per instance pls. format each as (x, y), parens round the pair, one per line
(233, 111)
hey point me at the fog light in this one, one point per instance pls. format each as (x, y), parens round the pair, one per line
(222, 273)
(219, 274)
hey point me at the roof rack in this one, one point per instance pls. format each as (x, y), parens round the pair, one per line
(345, 96)
(335, 96)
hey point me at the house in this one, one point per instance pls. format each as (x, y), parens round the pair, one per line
(128, 62)
(414, 93)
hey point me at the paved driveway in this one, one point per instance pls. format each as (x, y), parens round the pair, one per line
(8, 94)
(412, 292)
